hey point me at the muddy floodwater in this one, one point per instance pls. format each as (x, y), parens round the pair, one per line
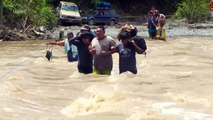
(174, 82)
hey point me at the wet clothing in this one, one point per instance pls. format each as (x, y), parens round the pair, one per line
(103, 62)
(127, 59)
(161, 19)
(103, 72)
(71, 51)
(151, 27)
(85, 70)
(85, 59)
(70, 56)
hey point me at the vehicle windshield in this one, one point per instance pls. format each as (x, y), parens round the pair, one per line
(69, 8)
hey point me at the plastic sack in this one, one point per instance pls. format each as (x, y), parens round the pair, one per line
(49, 53)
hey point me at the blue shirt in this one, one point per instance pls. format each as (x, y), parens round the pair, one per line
(71, 51)
(151, 24)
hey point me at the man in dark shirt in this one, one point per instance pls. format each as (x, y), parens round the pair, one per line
(85, 59)
(127, 50)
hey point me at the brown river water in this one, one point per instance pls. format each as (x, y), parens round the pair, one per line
(174, 82)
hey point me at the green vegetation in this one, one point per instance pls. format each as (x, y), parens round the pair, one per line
(193, 10)
(23, 13)
(1, 12)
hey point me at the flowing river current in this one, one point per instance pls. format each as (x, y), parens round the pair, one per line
(174, 82)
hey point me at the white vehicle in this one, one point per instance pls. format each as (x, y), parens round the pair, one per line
(68, 12)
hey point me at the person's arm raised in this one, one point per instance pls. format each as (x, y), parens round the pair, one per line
(138, 49)
(55, 42)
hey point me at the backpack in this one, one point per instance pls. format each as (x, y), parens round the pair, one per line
(140, 42)
(49, 52)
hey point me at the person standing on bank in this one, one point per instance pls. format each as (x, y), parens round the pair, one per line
(211, 8)
(151, 25)
(68, 48)
(82, 42)
(161, 21)
(102, 47)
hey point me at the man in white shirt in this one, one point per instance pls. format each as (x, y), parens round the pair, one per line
(102, 48)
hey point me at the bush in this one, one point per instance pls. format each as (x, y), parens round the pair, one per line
(21, 14)
(44, 17)
(193, 10)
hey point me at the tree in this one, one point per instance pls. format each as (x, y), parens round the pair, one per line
(193, 10)
(1, 12)
(23, 13)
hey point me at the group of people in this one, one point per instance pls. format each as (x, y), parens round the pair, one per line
(156, 22)
(95, 50)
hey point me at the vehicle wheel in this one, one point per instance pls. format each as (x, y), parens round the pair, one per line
(112, 23)
(91, 22)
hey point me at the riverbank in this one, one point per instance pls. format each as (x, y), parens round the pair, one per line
(174, 28)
